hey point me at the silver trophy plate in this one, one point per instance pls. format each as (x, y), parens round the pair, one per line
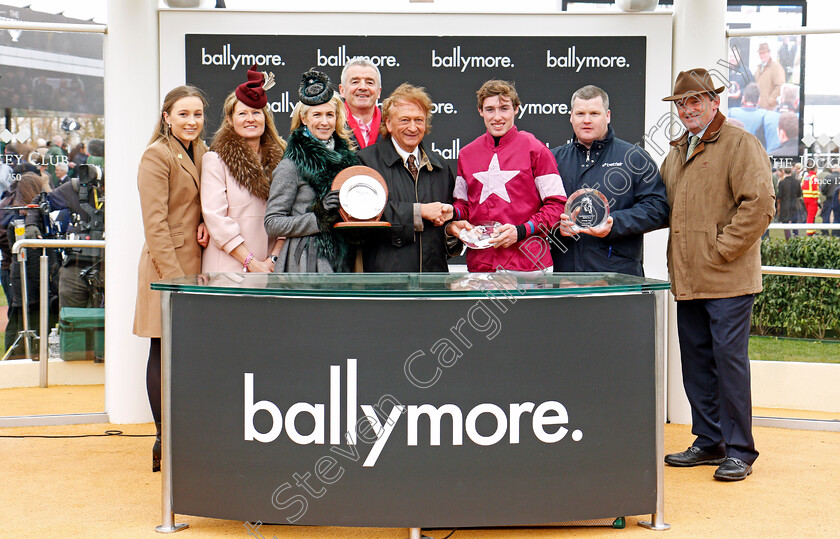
(362, 197)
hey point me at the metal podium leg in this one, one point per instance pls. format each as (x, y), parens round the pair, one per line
(657, 519)
(167, 516)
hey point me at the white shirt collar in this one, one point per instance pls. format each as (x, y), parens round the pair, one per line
(700, 134)
(404, 154)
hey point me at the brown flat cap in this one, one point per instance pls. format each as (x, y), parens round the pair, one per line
(693, 82)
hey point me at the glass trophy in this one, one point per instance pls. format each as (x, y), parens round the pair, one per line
(587, 208)
(479, 236)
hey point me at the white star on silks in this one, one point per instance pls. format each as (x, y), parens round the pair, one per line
(494, 180)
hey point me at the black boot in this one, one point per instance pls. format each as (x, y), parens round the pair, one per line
(156, 449)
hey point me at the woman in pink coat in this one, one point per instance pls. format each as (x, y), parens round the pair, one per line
(235, 180)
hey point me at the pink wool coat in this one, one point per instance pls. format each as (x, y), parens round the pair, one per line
(232, 216)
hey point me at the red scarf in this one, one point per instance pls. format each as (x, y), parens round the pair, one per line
(374, 127)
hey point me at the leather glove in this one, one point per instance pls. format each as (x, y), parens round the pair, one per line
(326, 210)
(330, 201)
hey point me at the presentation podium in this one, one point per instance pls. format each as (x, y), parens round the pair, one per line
(413, 400)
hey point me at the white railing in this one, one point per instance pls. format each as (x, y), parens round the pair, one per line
(54, 27)
(809, 424)
(792, 31)
(26, 334)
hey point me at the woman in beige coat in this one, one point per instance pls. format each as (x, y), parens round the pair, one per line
(235, 182)
(168, 181)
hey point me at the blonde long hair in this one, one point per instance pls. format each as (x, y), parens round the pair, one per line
(340, 118)
(161, 130)
(270, 131)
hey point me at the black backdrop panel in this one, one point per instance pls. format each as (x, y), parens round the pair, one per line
(546, 70)
(592, 358)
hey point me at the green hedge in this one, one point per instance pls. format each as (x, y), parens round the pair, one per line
(799, 306)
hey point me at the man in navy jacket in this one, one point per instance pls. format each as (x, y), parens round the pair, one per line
(625, 174)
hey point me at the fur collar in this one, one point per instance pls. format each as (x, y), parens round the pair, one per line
(316, 163)
(249, 171)
(318, 166)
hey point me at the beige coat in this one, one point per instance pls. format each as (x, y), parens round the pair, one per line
(168, 182)
(769, 79)
(721, 203)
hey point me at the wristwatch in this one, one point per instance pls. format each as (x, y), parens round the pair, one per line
(274, 258)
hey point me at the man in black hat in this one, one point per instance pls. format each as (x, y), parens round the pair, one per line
(721, 196)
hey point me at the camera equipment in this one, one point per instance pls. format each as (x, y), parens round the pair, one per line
(43, 202)
(68, 125)
(89, 182)
(95, 281)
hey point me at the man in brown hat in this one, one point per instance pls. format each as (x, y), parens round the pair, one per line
(721, 196)
(769, 75)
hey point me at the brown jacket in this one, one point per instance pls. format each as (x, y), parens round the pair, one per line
(168, 182)
(721, 203)
(769, 79)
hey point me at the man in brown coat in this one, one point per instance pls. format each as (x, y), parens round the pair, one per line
(769, 75)
(721, 196)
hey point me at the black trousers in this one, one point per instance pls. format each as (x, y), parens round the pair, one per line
(153, 378)
(714, 338)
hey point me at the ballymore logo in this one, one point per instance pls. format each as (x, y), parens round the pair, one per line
(459, 61)
(285, 104)
(228, 58)
(341, 57)
(573, 61)
(544, 420)
(539, 109)
(448, 152)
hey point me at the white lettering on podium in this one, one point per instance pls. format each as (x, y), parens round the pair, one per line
(370, 429)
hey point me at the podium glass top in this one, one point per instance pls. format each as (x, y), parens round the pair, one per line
(408, 285)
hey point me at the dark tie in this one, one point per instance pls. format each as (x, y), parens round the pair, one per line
(411, 164)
